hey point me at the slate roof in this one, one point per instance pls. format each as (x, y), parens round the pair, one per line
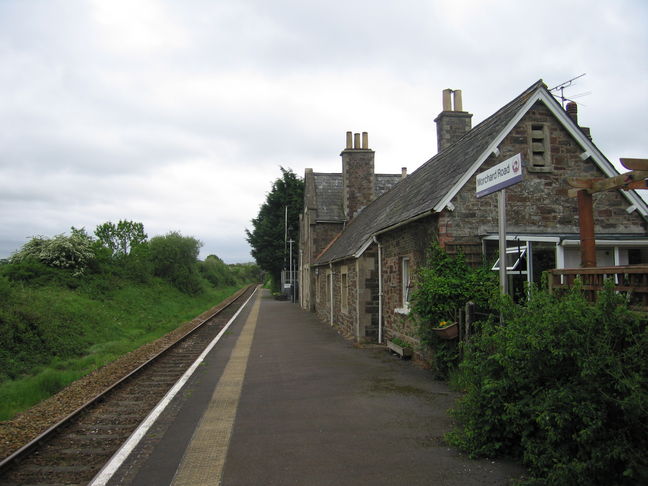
(421, 191)
(328, 194)
(384, 182)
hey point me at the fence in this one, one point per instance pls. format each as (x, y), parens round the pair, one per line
(631, 280)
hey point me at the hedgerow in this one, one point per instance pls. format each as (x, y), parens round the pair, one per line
(563, 386)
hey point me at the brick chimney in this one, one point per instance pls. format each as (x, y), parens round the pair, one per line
(572, 111)
(452, 124)
(357, 174)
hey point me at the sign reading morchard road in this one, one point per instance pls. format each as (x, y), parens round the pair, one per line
(502, 175)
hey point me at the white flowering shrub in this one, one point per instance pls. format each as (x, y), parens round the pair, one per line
(72, 252)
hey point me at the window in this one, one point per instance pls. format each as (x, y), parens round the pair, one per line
(344, 290)
(539, 148)
(515, 260)
(406, 281)
(526, 259)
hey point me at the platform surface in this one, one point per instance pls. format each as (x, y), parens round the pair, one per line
(284, 400)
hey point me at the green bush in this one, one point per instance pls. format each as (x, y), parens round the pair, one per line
(561, 386)
(36, 273)
(5, 288)
(216, 272)
(33, 330)
(443, 286)
(174, 259)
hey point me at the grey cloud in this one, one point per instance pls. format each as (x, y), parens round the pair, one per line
(102, 120)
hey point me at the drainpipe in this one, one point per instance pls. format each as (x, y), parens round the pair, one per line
(331, 267)
(380, 292)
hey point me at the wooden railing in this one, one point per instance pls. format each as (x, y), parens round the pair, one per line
(631, 280)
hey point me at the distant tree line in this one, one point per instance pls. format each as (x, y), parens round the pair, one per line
(123, 250)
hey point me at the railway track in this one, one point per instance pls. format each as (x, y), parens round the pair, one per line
(75, 449)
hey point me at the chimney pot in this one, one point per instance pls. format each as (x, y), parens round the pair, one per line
(356, 140)
(458, 103)
(403, 172)
(365, 140)
(447, 103)
(349, 140)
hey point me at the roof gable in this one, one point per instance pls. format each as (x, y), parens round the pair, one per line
(432, 186)
(589, 148)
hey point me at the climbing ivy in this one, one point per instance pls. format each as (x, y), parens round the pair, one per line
(443, 286)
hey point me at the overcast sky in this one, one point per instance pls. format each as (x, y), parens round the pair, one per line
(178, 113)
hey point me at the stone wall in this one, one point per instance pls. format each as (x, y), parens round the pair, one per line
(411, 241)
(313, 239)
(321, 297)
(321, 235)
(367, 318)
(540, 203)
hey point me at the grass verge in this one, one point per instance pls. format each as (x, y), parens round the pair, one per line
(77, 334)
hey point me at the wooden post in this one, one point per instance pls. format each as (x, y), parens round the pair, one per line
(586, 226)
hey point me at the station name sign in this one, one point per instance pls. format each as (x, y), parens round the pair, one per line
(502, 175)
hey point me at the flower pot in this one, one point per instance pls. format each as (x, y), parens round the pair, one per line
(404, 352)
(447, 332)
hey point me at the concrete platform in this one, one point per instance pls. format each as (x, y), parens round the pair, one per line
(284, 400)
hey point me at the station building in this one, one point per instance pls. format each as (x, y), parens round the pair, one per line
(363, 235)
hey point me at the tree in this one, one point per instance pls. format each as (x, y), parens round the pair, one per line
(121, 238)
(216, 271)
(174, 258)
(267, 237)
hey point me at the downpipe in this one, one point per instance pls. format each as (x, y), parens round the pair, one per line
(380, 291)
(331, 267)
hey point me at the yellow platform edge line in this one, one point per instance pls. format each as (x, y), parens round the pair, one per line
(204, 459)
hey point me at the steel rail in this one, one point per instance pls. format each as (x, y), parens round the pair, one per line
(15, 457)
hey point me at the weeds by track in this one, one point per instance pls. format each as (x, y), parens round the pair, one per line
(75, 449)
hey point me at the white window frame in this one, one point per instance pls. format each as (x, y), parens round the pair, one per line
(406, 280)
(513, 269)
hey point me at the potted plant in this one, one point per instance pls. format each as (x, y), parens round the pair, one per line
(446, 330)
(400, 347)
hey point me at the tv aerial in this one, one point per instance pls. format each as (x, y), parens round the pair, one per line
(567, 84)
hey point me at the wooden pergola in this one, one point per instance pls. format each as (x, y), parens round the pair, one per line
(583, 188)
